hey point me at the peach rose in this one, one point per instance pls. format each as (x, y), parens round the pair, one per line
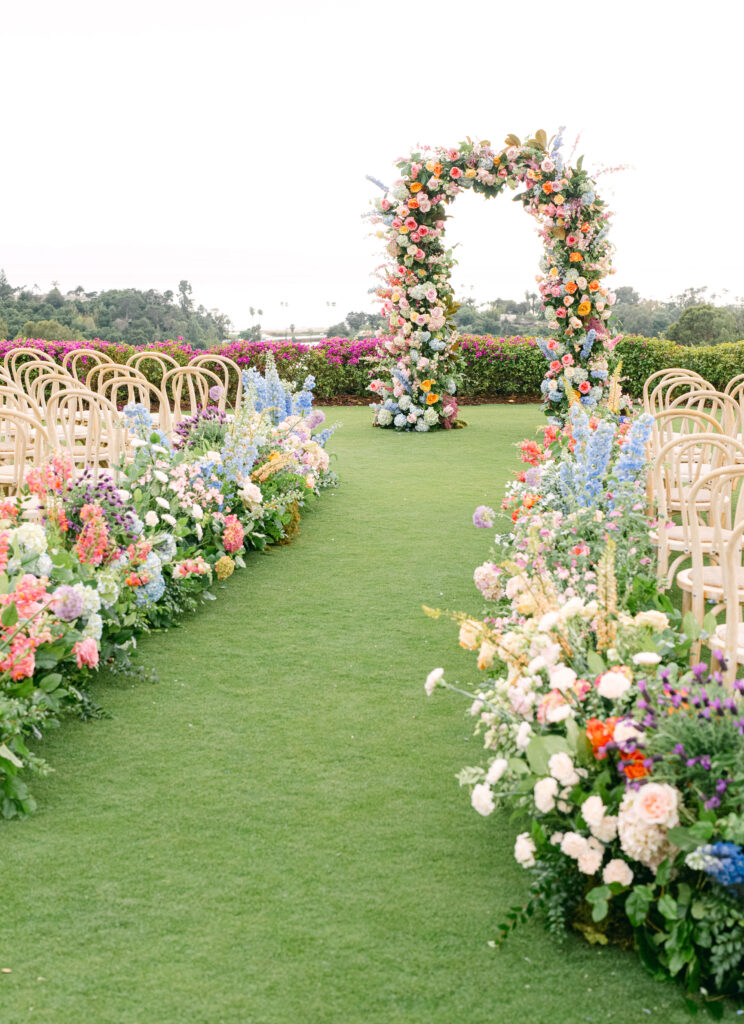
(617, 871)
(656, 804)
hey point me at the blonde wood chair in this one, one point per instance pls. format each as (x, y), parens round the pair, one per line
(722, 407)
(25, 444)
(79, 361)
(99, 375)
(189, 389)
(671, 388)
(734, 383)
(225, 368)
(15, 357)
(728, 639)
(678, 467)
(657, 380)
(89, 429)
(149, 359)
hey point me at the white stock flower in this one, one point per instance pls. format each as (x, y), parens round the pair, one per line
(162, 502)
(545, 792)
(160, 476)
(197, 511)
(497, 769)
(524, 735)
(646, 658)
(482, 799)
(561, 767)
(169, 519)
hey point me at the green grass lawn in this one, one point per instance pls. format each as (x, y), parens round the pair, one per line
(272, 832)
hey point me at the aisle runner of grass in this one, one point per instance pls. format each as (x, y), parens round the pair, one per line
(272, 832)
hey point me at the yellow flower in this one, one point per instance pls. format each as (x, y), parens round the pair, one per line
(584, 308)
(559, 200)
(471, 172)
(425, 385)
(431, 398)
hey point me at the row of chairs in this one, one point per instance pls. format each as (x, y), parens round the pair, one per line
(696, 491)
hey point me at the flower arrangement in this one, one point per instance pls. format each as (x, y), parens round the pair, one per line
(625, 764)
(107, 558)
(422, 365)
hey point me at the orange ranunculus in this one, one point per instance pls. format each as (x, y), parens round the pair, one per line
(576, 257)
(415, 186)
(585, 226)
(594, 286)
(431, 398)
(571, 287)
(425, 385)
(548, 187)
(633, 766)
(437, 170)
(413, 204)
(600, 734)
(585, 307)
(529, 500)
(559, 200)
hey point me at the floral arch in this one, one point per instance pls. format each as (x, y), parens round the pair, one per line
(421, 367)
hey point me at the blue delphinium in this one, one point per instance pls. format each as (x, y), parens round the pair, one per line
(582, 475)
(633, 455)
(722, 861)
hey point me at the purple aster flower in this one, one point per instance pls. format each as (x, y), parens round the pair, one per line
(483, 517)
(67, 603)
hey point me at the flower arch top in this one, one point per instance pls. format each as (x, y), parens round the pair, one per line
(421, 360)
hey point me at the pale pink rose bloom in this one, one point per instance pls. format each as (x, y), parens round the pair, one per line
(432, 679)
(561, 767)
(486, 655)
(613, 685)
(469, 634)
(497, 769)
(606, 831)
(656, 804)
(617, 871)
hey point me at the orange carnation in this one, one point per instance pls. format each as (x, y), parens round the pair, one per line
(594, 286)
(584, 308)
(415, 186)
(576, 257)
(431, 398)
(571, 287)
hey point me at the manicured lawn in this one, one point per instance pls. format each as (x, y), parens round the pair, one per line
(272, 832)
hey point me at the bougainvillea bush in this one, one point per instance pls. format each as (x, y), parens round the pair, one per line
(624, 765)
(102, 560)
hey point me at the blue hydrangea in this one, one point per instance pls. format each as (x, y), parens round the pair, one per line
(151, 592)
(400, 421)
(722, 861)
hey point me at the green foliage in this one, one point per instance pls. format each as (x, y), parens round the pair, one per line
(705, 324)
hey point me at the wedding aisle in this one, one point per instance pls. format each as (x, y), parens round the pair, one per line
(271, 832)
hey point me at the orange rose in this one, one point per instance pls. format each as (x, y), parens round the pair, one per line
(584, 308)
(425, 385)
(437, 170)
(415, 186)
(600, 733)
(594, 286)
(576, 257)
(431, 398)
(548, 187)
(559, 200)
(413, 203)
(632, 764)
(571, 287)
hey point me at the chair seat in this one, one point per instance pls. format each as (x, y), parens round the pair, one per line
(719, 642)
(712, 580)
(680, 495)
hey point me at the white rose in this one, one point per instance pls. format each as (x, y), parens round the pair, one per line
(124, 494)
(617, 871)
(561, 767)
(655, 620)
(524, 850)
(574, 845)
(559, 714)
(482, 799)
(545, 792)
(592, 811)
(626, 731)
(151, 518)
(432, 679)
(656, 804)
(497, 769)
(613, 685)
(646, 658)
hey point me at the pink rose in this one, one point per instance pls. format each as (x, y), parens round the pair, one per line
(617, 871)
(656, 804)
(86, 652)
(455, 173)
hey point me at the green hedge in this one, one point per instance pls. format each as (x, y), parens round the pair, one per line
(643, 356)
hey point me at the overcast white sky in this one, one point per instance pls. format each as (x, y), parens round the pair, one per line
(227, 143)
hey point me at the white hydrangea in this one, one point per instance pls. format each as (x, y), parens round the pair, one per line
(431, 416)
(32, 538)
(641, 841)
(91, 599)
(384, 417)
(108, 588)
(94, 627)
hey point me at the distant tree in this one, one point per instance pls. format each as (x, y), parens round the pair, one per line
(3, 329)
(628, 296)
(704, 325)
(184, 292)
(49, 330)
(55, 298)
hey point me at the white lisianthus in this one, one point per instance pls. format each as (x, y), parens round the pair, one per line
(524, 850)
(545, 792)
(432, 679)
(497, 769)
(482, 799)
